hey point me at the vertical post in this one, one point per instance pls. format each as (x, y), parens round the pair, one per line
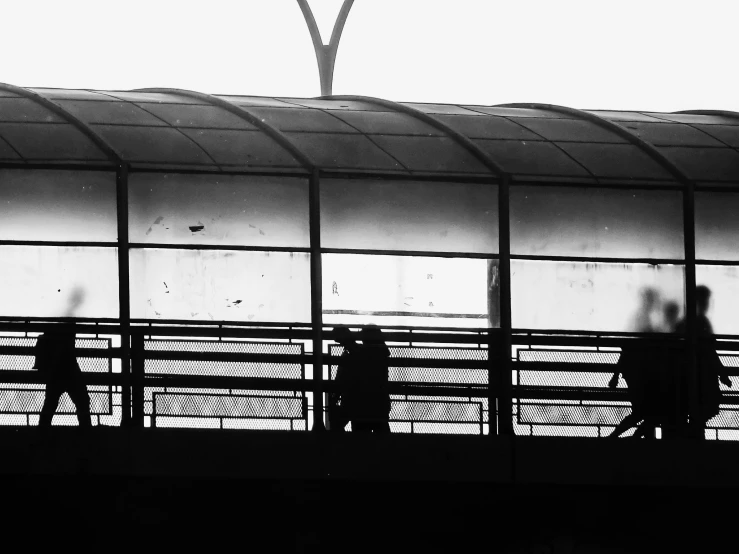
(316, 297)
(691, 339)
(137, 381)
(123, 290)
(326, 53)
(505, 390)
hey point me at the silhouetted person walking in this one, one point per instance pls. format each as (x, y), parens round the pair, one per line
(371, 403)
(709, 367)
(340, 405)
(57, 361)
(635, 364)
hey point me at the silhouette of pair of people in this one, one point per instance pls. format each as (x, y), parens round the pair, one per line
(657, 377)
(56, 360)
(361, 394)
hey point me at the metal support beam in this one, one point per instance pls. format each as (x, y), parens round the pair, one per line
(124, 298)
(326, 53)
(504, 392)
(316, 297)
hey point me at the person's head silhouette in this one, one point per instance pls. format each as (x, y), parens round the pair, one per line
(672, 314)
(344, 336)
(372, 335)
(702, 299)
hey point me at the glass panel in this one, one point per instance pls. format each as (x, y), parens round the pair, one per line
(705, 164)
(405, 290)
(57, 205)
(220, 285)
(610, 223)
(431, 154)
(50, 142)
(612, 160)
(671, 133)
(413, 215)
(568, 129)
(120, 113)
(594, 296)
(475, 126)
(299, 119)
(532, 158)
(343, 151)
(50, 281)
(242, 148)
(26, 110)
(723, 282)
(387, 123)
(716, 226)
(153, 144)
(729, 134)
(218, 209)
(180, 115)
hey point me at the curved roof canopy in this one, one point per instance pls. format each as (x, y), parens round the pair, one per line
(174, 129)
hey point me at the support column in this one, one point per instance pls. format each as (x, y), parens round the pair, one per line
(316, 298)
(691, 338)
(505, 390)
(124, 291)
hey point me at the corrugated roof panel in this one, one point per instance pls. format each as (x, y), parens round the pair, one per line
(386, 123)
(674, 134)
(110, 113)
(568, 130)
(728, 134)
(241, 148)
(531, 158)
(153, 144)
(696, 119)
(516, 112)
(705, 164)
(616, 161)
(58, 141)
(448, 109)
(490, 127)
(431, 154)
(340, 151)
(300, 119)
(624, 116)
(7, 152)
(197, 116)
(26, 110)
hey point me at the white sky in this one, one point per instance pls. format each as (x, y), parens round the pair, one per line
(661, 55)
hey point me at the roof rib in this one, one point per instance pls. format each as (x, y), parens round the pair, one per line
(244, 114)
(106, 148)
(457, 137)
(615, 128)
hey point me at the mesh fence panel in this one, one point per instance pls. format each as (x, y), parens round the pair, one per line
(286, 369)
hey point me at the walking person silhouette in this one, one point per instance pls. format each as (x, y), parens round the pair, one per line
(56, 360)
(371, 404)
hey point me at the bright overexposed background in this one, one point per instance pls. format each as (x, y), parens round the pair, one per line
(660, 55)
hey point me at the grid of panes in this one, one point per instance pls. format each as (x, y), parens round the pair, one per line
(717, 267)
(410, 254)
(589, 261)
(232, 249)
(59, 252)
